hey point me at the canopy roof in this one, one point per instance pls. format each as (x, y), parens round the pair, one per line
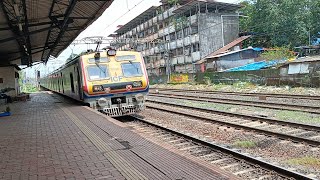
(34, 30)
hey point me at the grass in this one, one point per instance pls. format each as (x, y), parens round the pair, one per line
(221, 107)
(297, 116)
(306, 161)
(244, 144)
(29, 88)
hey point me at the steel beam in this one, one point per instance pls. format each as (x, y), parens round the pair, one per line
(30, 33)
(26, 31)
(55, 34)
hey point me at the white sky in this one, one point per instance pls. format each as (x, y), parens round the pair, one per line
(106, 25)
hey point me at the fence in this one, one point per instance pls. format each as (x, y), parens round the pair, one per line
(269, 77)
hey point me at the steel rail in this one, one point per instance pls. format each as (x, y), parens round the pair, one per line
(291, 107)
(280, 135)
(274, 95)
(250, 159)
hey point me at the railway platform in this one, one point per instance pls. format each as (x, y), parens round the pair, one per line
(49, 138)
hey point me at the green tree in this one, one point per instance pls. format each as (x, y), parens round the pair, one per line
(281, 22)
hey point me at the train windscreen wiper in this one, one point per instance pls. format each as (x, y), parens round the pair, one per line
(101, 69)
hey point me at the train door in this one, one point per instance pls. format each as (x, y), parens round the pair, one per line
(58, 85)
(72, 83)
(62, 85)
(79, 83)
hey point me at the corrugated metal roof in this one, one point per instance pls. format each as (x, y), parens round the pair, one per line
(208, 4)
(224, 48)
(49, 27)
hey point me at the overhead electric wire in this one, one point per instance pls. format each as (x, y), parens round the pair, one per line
(122, 16)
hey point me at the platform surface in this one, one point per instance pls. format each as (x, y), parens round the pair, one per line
(47, 138)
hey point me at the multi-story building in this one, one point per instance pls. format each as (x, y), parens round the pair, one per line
(172, 37)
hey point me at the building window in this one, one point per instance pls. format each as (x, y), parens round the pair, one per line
(195, 47)
(172, 36)
(187, 31)
(179, 34)
(1, 80)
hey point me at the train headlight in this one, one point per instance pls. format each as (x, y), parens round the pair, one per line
(97, 88)
(111, 52)
(137, 84)
(139, 97)
(102, 102)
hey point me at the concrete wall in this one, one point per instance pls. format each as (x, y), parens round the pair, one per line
(210, 31)
(7, 74)
(271, 77)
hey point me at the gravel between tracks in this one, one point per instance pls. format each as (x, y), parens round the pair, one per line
(274, 150)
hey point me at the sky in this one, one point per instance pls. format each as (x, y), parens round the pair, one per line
(119, 13)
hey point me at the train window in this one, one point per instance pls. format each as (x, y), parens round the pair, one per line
(126, 58)
(97, 72)
(131, 69)
(102, 59)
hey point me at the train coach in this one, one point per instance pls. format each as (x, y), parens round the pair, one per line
(115, 82)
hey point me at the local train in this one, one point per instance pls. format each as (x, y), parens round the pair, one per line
(114, 82)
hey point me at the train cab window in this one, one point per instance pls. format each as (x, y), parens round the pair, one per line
(97, 72)
(131, 69)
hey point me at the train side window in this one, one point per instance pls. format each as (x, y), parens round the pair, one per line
(72, 83)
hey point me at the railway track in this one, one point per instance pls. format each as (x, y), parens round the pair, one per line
(274, 95)
(241, 165)
(261, 104)
(296, 132)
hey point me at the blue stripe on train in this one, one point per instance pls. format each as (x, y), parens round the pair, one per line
(110, 95)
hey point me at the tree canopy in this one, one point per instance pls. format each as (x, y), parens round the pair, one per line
(281, 22)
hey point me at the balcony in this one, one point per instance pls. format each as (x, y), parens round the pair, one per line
(150, 23)
(151, 51)
(170, 11)
(193, 19)
(161, 33)
(188, 59)
(187, 41)
(155, 20)
(194, 38)
(160, 18)
(171, 29)
(141, 27)
(180, 59)
(179, 43)
(165, 15)
(195, 56)
(145, 25)
(174, 61)
(156, 49)
(173, 45)
(162, 62)
(166, 31)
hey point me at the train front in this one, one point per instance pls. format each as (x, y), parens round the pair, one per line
(116, 82)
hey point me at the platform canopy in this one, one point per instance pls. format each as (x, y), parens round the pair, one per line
(34, 30)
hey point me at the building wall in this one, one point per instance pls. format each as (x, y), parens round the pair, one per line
(180, 45)
(210, 31)
(9, 79)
